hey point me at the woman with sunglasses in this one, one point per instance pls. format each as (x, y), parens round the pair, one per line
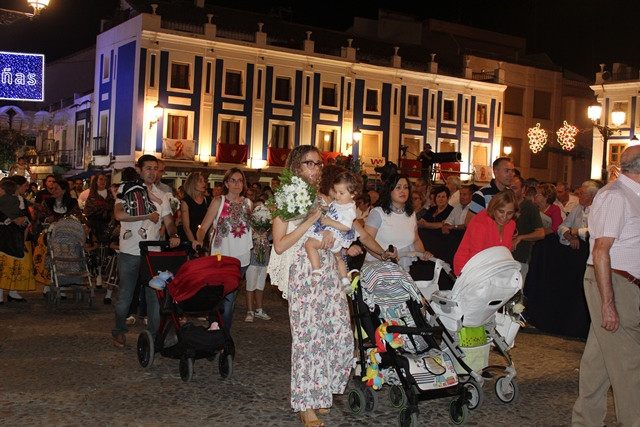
(322, 343)
(230, 215)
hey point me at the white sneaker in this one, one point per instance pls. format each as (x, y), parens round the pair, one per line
(260, 314)
(249, 317)
(130, 321)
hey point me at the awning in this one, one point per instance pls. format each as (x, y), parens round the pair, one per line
(87, 174)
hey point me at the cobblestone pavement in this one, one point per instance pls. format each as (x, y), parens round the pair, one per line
(59, 367)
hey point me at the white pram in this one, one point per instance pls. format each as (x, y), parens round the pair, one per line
(487, 282)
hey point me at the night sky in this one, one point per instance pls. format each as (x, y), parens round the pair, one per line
(577, 35)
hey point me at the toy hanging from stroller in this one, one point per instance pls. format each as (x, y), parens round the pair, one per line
(199, 286)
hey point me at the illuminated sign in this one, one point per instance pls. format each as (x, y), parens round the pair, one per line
(21, 76)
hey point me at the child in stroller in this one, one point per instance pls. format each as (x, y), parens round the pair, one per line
(199, 286)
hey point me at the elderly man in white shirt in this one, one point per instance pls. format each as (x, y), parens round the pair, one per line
(575, 226)
(454, 184)
(564, 199)
(458, 216)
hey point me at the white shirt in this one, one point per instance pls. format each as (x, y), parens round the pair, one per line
(454, 200)
(578, 218)
(458, 215)
(615, 212)
(395, 229)
(131, 245)
(565, 210)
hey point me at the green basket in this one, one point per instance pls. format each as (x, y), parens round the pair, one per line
(472, 337)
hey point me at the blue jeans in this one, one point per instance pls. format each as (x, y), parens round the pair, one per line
(230, 302)
(129, 266)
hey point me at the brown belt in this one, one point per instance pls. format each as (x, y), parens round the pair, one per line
(630, 277)
(627, 276)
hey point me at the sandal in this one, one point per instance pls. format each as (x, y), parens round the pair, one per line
(323, 411)
(312, 423)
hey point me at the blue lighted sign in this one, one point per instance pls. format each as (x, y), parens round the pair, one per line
(22, 76)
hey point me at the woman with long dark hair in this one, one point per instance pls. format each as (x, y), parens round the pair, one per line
(60, 203)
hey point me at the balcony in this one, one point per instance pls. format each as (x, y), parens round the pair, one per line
(64, 158)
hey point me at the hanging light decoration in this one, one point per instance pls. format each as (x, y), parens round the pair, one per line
(567, 136)
(537, 138)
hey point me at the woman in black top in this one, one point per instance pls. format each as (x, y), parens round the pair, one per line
(61, 203)
(436, 215)
(194, 205)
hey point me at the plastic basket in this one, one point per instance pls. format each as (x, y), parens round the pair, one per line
(476, 358)
(472, 337)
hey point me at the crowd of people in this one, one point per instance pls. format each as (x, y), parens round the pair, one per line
(308, 258)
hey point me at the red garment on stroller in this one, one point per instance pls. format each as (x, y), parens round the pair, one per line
(205, 271)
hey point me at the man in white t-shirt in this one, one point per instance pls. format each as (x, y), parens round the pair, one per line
(458, 216)
(133, 230)
(564, 199)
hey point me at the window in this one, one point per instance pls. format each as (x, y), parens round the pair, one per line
(283, 89)
(513, 100)
(207, 84)
(371, 100)
(515, 144)
(541, 105)
(230, 132)
(233, 83)
(329, 95)
(177, 126)
(280, 136)
(448, 110)
(615, 150)
(447, 146)
(106, 61)
(481, 115)
(152, 71)
(540, 160)
(413, 106)
(179, 76)
(480, 155)
(414, 146)
(326, 140)
(79, 146)
(370, 145)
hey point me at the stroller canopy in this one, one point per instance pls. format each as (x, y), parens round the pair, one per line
(486, 283)
(205, 271)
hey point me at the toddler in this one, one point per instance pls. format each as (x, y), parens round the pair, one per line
(136, 199)
(339, 220)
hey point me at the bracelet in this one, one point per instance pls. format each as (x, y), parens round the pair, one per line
(175, 235)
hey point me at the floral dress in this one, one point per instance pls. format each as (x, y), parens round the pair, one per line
(233, 230)
(322, 342)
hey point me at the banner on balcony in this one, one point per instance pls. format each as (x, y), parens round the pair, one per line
(178, 149)
(277, 156)
(372, 162)
(412, 168)
(483, 173)
(232, 153)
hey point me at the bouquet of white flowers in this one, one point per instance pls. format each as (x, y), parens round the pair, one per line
(293, 198)
(261, 224)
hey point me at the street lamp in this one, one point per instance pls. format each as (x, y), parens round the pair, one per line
(507, 149)
(356, 137)
(158, 112)
(38, 5)
(617, 118)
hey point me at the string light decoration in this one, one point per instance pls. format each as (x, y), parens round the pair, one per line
(537, 138)
(567, 136)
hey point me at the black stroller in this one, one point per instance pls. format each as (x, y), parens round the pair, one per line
(399, 348)
(199, 286)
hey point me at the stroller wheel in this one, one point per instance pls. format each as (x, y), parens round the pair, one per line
(356, 401)
(186, 369)
(407, 419)
(371, 399)
(145, 349)
(474, 394)
(397, 396)
(457, 412)
(506, 390)
(225, 365)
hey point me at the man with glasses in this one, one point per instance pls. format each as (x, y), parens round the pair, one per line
(503, 171)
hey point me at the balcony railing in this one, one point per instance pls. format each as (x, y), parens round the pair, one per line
(63, 158)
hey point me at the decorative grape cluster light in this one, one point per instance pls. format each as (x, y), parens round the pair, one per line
(567, 136)
(38, 5)
(537, 138)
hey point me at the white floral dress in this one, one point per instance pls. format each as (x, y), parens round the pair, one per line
(322, 342)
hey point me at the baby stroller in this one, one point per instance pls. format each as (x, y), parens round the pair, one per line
(488, 281)
(69, 268)
(199, 286)
(398, 347)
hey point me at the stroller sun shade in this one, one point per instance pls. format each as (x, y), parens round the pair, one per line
(205, 271)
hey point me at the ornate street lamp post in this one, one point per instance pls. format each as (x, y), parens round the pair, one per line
(617, 118)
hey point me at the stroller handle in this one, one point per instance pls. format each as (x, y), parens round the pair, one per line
(409, 330)
(164, 244)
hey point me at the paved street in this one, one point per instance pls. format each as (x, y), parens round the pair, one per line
(59, 367)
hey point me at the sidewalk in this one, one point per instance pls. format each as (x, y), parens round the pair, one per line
(59, 368)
